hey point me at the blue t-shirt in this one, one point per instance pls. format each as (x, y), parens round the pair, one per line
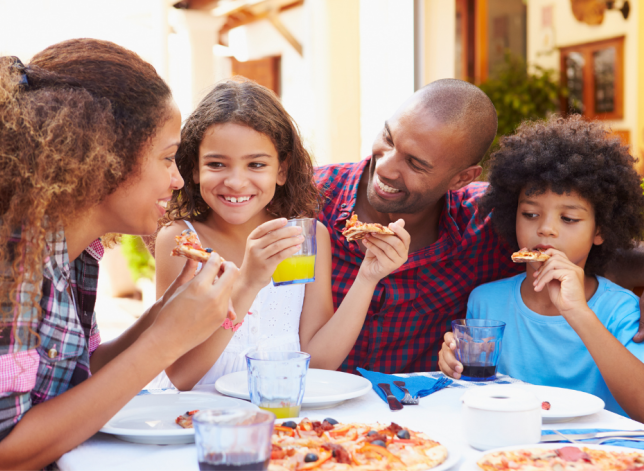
(545, 350)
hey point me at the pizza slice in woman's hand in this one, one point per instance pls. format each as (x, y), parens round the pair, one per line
(188, 246)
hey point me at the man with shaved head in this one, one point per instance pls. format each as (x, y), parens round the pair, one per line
(422, 169)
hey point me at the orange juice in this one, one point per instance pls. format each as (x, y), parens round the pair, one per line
(300, 267)
(283, 412)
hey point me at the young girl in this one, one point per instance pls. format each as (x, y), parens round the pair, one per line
(565, 187)
(88, 133)
(246, 172)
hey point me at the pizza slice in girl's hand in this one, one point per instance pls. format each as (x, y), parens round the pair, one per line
(355, 230)
(525, 256)
(188, 246)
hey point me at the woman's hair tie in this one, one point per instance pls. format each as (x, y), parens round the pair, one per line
(22, 70)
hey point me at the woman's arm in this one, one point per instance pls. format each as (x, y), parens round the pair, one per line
(54, 427)
(319, 326)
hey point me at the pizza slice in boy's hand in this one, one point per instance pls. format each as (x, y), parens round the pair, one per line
(355, 230)
(188, 246)
(525, 256)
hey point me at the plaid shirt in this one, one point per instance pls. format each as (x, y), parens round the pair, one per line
(37, 367)
(412, 308)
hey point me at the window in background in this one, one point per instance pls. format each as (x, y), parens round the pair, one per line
(594, 76)
(265, 71)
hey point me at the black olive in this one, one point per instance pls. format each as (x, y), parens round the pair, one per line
(371, 432)
(403, 434)
(310, 457)
(379, 443)
(209, 250)
(331, 421)
(289, 423)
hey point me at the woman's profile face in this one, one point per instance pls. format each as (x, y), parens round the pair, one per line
(136, 206)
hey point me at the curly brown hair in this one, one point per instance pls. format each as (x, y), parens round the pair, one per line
(73, 126)
(241, 101)
(568, 155)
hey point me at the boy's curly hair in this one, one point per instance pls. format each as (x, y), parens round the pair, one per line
(241, 101)
(568, 155)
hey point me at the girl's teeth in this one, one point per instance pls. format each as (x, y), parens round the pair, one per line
(241, 199)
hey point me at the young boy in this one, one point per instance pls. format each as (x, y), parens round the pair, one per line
(565, 187)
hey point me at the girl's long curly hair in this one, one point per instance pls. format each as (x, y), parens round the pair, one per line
(568, 155)
(241, 101)
(73, 126)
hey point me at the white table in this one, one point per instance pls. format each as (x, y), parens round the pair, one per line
(438, 414)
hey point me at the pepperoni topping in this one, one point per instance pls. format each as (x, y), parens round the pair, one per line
(571, 453)
(545, 405)
(339, 453)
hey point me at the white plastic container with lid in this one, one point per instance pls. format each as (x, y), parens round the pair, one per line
(499, 416)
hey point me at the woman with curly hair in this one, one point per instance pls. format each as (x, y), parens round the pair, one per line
(567, 188)
(88, 134)
(247, 171)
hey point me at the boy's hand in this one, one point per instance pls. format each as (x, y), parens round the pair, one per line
(447, 361)
(268, 245)
(564, 281)
(385, 253)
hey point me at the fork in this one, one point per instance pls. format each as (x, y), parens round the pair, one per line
(408, 400)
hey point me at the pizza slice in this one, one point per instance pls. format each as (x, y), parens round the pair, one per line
(185, 420)
(188, 246)
(355, 230)
(525, 256)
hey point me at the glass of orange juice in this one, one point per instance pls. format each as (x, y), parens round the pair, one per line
(276, 381)
(300, 268)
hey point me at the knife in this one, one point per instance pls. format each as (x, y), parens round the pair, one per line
(394, 404)
(586, 436)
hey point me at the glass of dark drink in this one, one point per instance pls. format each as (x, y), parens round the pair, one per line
(478, 346)
(233, 439)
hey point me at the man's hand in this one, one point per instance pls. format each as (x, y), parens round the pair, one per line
(447, 361)
(385, 253)
(639, 336)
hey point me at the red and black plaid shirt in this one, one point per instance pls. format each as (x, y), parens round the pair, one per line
(412, 308)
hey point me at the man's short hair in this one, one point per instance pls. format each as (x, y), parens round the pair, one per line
(461, 104)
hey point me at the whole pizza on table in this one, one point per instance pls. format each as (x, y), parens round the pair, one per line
(332, 446)
(355, 230)
(568, 458)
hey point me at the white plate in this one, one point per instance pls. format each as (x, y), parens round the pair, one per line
(470, 464)
(324, 388)
(565, 404)
(151, 418)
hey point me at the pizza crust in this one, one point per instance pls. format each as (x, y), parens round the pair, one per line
(188, 246)
(526, 256)
(356, 230)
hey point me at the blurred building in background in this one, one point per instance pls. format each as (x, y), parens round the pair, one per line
(342, 67)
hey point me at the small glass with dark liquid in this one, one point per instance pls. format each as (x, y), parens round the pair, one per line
(233, 439)
(478, 347)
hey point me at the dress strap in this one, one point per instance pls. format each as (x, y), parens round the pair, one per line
(192, 228)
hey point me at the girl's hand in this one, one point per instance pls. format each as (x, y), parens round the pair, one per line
(564, 281)
(192, 310)
(385, 253)
(447, 361)
(266, 247)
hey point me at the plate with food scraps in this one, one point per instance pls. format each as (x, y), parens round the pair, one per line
(541, 453)
(151, 418)
(563, 404)
(324, 388)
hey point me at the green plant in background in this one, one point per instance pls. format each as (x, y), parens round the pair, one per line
(139, 260)
(520, 95)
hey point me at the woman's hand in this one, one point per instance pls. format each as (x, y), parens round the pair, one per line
(190, 311)
(268, 245)
(447, 361)
(385, 253)
(564, 281)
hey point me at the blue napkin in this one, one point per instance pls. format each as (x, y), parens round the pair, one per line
(615, 442)
(420, 386)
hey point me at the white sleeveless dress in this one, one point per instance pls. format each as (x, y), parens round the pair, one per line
(272, 324)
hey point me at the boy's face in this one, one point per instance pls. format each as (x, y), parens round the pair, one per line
(564, 222)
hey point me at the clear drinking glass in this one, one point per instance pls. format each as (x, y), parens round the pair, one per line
(276, 381)
(233, 439)
(300, 268)
(478, 346)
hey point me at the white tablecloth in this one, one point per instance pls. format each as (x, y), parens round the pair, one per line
(438, 415)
